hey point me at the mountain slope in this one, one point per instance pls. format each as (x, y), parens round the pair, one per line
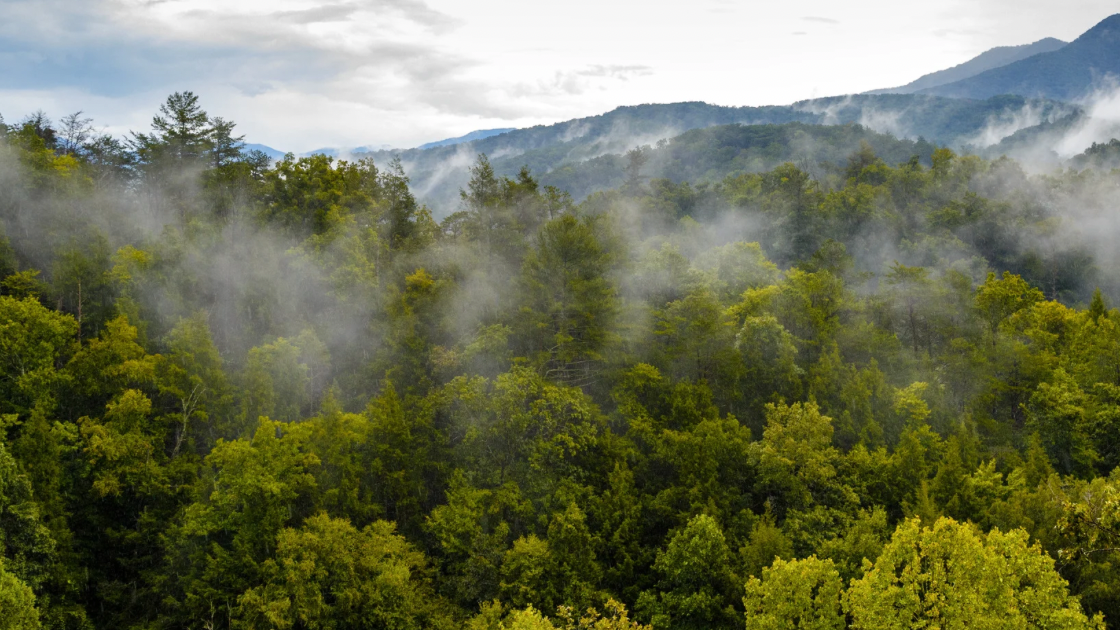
(437, 174)
(474, 135)
(274, 154)
(1069, 73)
(710, 154)
(988, 60)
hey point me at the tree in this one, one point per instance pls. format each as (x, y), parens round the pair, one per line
(83, 283)
(767, 543)
(570, 301)
(950, 575)
(1057, 414)
(29, 553)
(482, 200)
(636, 159)
(1097, 308)
(402, 208)
(1000, 298)
(75, 132)
(328, 574)
(33, 340)
(522, 429)
(473, 530)
(696, 580)
(860, 161)
(181, 131)
(804, 594)
(912, 286)
(277, 383)
(225, 148)
(796, 460)
(17, 604)
(613, 617)
(191, 378)
(42, 126)
(249, 490)
(316, 195)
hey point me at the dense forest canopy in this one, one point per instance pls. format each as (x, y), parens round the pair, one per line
(878, 387)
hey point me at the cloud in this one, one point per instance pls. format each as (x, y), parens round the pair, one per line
(623, 73)
(119, 47)
(421, 13)
(579, 81)
(325, 13)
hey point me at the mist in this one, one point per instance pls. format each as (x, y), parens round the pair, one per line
(506, 364)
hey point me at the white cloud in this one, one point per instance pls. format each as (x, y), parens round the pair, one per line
(300, 74)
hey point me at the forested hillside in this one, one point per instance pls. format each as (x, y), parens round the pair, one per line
(711, 154)
(881, 390)
(439, 173)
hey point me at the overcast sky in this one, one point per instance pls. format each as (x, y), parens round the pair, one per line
(299, 75)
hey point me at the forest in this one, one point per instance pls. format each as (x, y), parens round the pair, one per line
(875, 389)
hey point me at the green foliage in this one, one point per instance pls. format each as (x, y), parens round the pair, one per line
(301, 402)
(570, 301)
(1000, 298)
(949, 575)
(329, 574)
(796, 594)
(17, 604)
(33, 340)
(695, 580)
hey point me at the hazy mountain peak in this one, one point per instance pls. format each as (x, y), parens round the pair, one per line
(988, 60)
(1069, 73)
(1108, 28)
(474, 135)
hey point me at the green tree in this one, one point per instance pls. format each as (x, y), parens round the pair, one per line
(17, 604)
(192, 381)
(950, 575)
(803, 594)
(180, 131)
(248, 491)
(570, 302)
(328, 574)
(696, 580)
(33, 341)
(1057, 413)
(1000, 298)
(797, 464)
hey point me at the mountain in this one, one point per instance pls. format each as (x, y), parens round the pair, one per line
(1105, 156)
(474, 135)
(438, 173)
(1069, 73)
(991, 59)
(336, 152)
(711, 154)
(274, 154)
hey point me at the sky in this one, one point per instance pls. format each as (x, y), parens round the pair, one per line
(300, 75)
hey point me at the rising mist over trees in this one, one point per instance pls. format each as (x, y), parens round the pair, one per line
(867, 389)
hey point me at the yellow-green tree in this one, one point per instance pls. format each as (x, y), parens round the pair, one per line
(950, 576)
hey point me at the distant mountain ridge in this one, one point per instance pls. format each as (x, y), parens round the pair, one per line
(274, 154)
(474, 135)
(438, 173)
(277, 154)
(988, 60)
(1070, 73)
